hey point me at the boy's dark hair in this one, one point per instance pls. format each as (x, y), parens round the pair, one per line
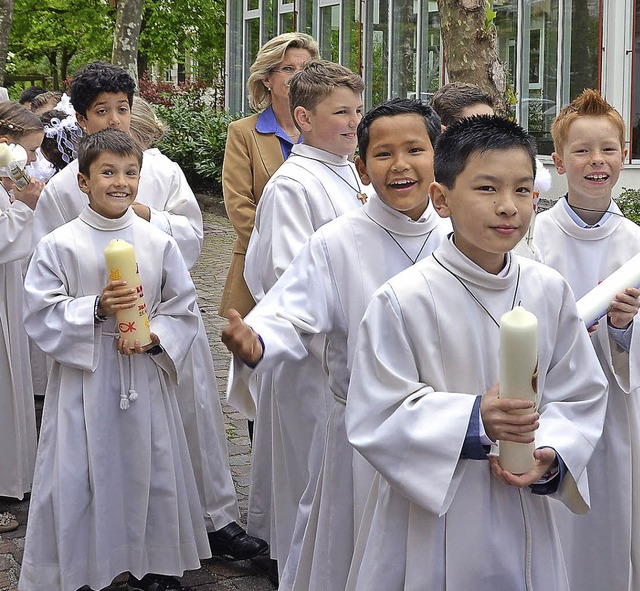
(316, 80)
(477, 135)
(112, 141)
(28, 94)
(393, 108)
(98, 77)
(450, 100)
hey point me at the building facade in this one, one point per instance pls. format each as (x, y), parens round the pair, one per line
(553, 49)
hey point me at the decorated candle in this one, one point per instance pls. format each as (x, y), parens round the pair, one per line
(518, 379)
(594, 305)
(133, 323)
(13, 159)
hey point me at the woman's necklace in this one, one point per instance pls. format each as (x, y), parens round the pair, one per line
(357, 189)
(515, 291)
(417, 257)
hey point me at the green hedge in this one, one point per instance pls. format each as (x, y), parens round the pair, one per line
(629, 203)
(195, 139)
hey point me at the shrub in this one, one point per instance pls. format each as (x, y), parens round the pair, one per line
(629, 203)
(195, 139)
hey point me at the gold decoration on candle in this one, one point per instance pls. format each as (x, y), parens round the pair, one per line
(133, 323)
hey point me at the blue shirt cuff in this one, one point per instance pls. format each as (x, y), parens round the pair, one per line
(472, 448)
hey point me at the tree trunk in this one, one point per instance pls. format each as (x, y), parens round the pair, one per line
(6, 18)
(52, 56)
(469, 42)
(127, 36)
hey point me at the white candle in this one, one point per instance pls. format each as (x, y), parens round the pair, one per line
(518, 379)
(594, 305)
(133, 323)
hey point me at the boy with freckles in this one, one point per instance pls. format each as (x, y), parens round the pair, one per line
(424, 405)
(114, 490)
(585, 237)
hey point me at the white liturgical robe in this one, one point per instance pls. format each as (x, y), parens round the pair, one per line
(17, 417)
(114, 489)
(175, 211)
(602, 549)
(425, 351)
(325, 291)
(310, 189)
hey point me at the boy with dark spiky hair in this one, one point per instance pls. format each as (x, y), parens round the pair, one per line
(424, 405)
(585, 237)
(324, 292)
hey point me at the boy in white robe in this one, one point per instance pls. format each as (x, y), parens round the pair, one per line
(325, 291)
(586, 238)
(102, 95)
(316, 184)
(114, 490)
(424, 406)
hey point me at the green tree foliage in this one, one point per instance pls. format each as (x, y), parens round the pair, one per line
(55, 37)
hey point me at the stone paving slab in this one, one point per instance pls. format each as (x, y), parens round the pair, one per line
(208, 274)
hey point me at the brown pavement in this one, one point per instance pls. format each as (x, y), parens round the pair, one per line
(215, 575)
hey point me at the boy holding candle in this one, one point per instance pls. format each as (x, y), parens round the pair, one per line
(424, 404)
(114, 490)
(325, 291)
(102, 95)
(586, 238)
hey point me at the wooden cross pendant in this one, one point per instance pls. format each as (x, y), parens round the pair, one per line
(362, 198)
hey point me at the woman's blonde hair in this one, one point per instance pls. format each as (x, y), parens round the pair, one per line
(269, 57)
(145, 126)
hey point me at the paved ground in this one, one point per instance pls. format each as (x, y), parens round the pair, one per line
(215, 575)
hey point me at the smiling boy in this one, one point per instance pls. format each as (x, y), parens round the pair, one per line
(316, 184)
(585, 237)
(424, 406)
(324, 293)
(114, 490)
(102, 95)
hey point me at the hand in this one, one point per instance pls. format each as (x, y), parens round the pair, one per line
(122, 345)
(142, 211)
(592, 329)
(116, 296)
(241, 339)
(624, 308)
(30, 194)
(545, 457)
(508, 419)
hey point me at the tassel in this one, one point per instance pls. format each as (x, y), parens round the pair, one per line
(133, 395)
(124, 402)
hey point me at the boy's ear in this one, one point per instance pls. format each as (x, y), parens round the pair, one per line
(361, 167)
(301, 116)
(439, 195)
(83, 183)
(82, 121)
(557, 160)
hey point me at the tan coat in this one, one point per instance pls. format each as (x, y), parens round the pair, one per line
(250, 160)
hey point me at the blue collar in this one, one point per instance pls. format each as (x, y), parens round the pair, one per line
(267, 124)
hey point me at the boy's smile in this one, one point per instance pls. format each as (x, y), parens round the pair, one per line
(592, 159)
(110, 109)
(490, 205)
(399, 163)
(332, 125)
(112, 184)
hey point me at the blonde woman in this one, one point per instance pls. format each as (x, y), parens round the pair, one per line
(256, 146)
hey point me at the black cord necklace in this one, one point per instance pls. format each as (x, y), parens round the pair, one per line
(417, 257)
(515, 292)
(362, 197)
(602, 211)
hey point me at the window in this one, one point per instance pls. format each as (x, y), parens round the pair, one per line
(635, 93)
(403, 44)
(429, 79)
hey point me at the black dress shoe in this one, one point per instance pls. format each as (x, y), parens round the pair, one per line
(234, 543)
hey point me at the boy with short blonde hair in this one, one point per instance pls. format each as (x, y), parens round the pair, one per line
(316, 184)
(586, 237)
